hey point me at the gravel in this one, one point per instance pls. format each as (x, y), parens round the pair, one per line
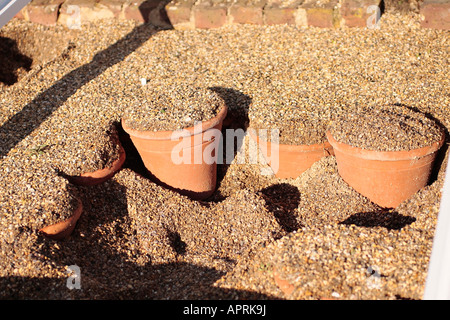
(387, 128)
(169, 108)
(136, 239)
(299, 119)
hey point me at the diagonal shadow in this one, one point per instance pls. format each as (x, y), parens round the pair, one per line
(44, 104)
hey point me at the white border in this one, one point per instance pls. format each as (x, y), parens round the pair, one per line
(437, 285)
(8, 9)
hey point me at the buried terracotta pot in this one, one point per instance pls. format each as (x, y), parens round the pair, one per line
(180, 163)
(100, 176)
(63, 229)
(293, 160)
(387, 178)
(284, 285)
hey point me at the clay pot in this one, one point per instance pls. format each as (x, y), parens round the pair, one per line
(387, 178)
(284, 285)
(63, 229)
(293, 160)
(99, 176)
(194, 178)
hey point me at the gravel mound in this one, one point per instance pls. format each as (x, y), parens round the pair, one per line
(169, 108)
(299, 119)
(387, 128)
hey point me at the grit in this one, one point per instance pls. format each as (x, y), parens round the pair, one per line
(169, 108)
(386, 128)
(299, 118)
(136, 239)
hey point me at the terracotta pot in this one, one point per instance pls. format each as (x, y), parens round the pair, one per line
(99, 176)
(387, 178)
(194, 178)
(284, 285)
(293, 160)
(63, 229)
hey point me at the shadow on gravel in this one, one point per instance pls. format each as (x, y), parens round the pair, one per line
(175, 281)
(44, 104)
(282, 199)
(390, 220)
(11, 61)
(236, 124)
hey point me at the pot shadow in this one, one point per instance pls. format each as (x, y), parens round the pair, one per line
(133, 160)
(233, 132)
(34, 115)
(175, 241)
(382, 7)
(106, 248)
(385, 218)
(282, 200)
(11, 61)
(441, 153)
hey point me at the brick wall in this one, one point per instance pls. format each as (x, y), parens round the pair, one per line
(190, 14)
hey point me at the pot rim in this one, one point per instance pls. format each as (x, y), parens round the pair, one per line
(59, 229)
(100, 175)
(186, 132)
(385, 155)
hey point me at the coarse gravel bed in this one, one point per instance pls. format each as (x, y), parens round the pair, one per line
(170, 108)
(386, 128)
(137, 240)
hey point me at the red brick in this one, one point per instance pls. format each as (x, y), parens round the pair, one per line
(436, 14)
(210, 15)
(284, 12)
(43, 11)
(354, 12)
(73, 12)
(247, 12)
(179, 13)
(138, 10)
(322, 15)
(319, 17)
(148, 11)
(80, 3)
(275, 14)
(115, 6)
(68, 16)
